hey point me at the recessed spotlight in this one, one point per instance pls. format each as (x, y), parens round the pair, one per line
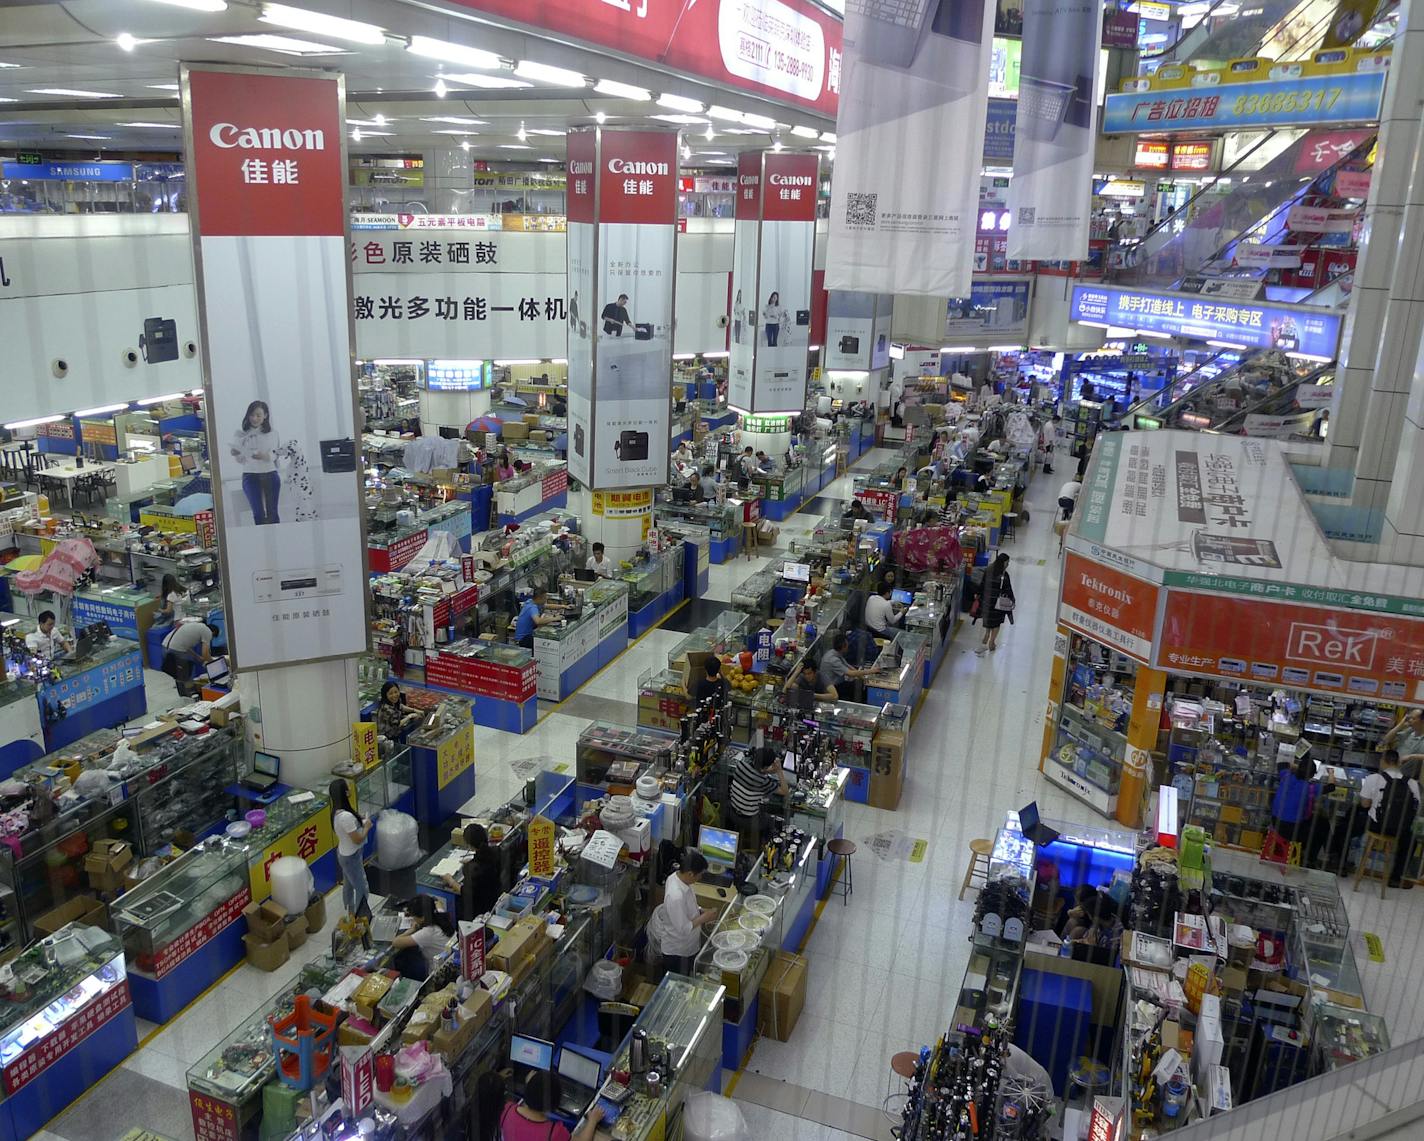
(709, 134)
(380, 119)
(464, 144)
(447, 52)
(356, 135)
(320, 24)
(622, 90)
(72, 93)
(600, 117)
(521, 134)
(686, 151)
(282, 45)
(546, 73)
(679, 103)
(440, 88)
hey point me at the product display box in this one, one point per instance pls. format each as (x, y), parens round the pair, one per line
(517, 947)
(81, 909)
(316, 915)
(265, 921)
(783, 995)
(887, 772)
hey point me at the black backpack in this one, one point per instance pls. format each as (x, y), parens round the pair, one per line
(1396, 809)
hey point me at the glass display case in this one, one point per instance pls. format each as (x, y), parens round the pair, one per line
(52, 980)
(1090, 751)
(608, 752)
(382, 785)
(1341, 1035)
(283, 814)
(187, 795)
(652, 578)
(165, 906)
(236, 1069)
(720, 520)
(754, 594)
(740, 949)
(573, 957)
(820, 808)
(1327, 966)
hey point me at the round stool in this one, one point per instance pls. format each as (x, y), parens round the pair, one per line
(979, 852)
(844, 850)
(749, 540)
(903, 1064)
(1010, 519)
(897, 1083)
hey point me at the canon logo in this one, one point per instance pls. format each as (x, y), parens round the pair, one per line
(792, 180)
(750, 179)
(580, 168)
(228, 136)
(623, 166)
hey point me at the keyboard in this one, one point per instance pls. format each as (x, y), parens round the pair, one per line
(906, 13)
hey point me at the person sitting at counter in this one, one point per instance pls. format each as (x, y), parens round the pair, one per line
(479, 888)
(531, 617)
(504, 469)
(393, 716)
(419, 949)
(710, 483)
(171, 595)
(599, 563)
(528, 1119)
(682, 454)
(187, 646)
(675, 922)
(855, 513)
(881, 613)
(47, 641)
(809, 681)
(834, 667)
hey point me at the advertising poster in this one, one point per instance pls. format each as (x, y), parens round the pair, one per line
(997, 310)
(857, 330)
(267, 186)
(916, 89)
(1050, 196)
(1307, 101)
(622, 269)
(1109, 606)
(746, 260)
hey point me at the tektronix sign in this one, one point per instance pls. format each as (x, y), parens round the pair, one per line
(1332, 645)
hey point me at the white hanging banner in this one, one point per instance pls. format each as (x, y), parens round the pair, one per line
(915, 90)
(1050, 196)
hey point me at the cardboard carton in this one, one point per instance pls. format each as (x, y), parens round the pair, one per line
(316, 915)
(296, 930)
(105, 864)
(783, 995)
(368, 995)
(266, 921)
(266, 955)
(355, 1032)
(81, 909)
(516, 944)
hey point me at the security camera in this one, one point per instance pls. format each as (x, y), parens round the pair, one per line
(130, 357)
(190, 348)
(60, 367)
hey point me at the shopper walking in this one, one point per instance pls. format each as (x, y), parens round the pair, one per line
(253, 448)
(351, 832)
(997, 604)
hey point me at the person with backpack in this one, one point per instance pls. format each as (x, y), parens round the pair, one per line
(1392, 798)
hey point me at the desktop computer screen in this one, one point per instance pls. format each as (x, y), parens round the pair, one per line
(719, 845)
(532, 1052)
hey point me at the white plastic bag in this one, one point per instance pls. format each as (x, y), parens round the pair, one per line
(397, 840)
(712, 1117)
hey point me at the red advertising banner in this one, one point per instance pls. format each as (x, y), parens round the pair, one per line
(1119, 28)
(1151, 154)
(789, 49)
(472, 952)
(397, 554)
(358, 1079)
(790, 192)
(886, 504)
(213, 1120)
(1294, 645)
(1320, 150)
(1109, 606)
(638, 178)
(555, 483)
(66, 1036)
(582, 147)
(1191, 157)
(749, 186)
(482, 679)
(200, 934)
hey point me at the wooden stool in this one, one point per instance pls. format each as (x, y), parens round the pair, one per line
(1383, 846)
(749, 539)
(844, 849)
(902, 1070)
(979, 851)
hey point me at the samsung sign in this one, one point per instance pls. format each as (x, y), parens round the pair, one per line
(69, 171)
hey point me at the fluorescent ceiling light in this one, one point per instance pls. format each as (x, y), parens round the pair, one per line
(494, 82)
(162, 86)
(88, 136)
(72, 93)
(4, 100)
(742, 131)
(35, 422)
(197, 5)
(544, 131)
(622, 90)
(805, 132)
(156, 126)
(759, 121)
(319, 23)
(103, 410)
(546, 73)
(681, 120)
(363, 132)
(454, 131)
(514, 147)
(447, 52)
(146, 401)
(284, 45)
(458, 120)
(679, 103)
(381, 122)
(724, 113)
(828, 136)
(6, 66)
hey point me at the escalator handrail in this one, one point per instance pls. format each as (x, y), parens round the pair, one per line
(1141, 406)
(1237, 418)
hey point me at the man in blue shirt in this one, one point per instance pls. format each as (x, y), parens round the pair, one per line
(531, 617)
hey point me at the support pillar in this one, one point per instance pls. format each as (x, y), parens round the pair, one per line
(620, 520)
(303, 715)
(1142, 733)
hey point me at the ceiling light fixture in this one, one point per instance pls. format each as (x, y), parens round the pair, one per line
(776, 143)
(147, 400)
(760, 121)
(679, 103)
(805, 132)
(380, 119)
(686, 152)
(458, 120)
(102, 411)
(447, 52)
(319, 23)
(521, 134)
(493, 82)
(545, 131)
(681, 120)
(282, 45)
(464, 144)
(622, 90)
(547, 73)
(440, 88)
(709, 134)
(155, 126)
(95, 137)
(454, 131)
(162, 86)
(828, 136)
(72, 93)
(34, 423)
(125, 42)
(724, 113)
(514, 147)
(196, 5)
(600, 117)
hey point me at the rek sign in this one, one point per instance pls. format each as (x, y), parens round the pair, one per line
(1308, 101)
(1290, 329)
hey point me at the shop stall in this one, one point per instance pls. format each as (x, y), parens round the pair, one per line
(442, 761)
(722, 523)
(592, 635)
(544, 487)
(297, 823)
(655, 585)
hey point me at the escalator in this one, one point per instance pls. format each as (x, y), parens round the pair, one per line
(1152, 404)
(1213, 403)
(1299, 412)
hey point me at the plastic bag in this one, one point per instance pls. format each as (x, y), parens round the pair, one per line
(712, 1117)
(397, 840)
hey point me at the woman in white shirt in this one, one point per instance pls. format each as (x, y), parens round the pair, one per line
(254, 448)
(773, 316)
(172, 608)
(675, 922)
(430, 935)
(351, 832)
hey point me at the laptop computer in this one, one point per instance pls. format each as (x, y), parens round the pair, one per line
(1034, 828)
(579, 1079)
(891, 30)
(583, 574)
(265, 770)
(218, 671)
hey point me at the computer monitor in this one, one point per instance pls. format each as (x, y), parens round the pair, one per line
(796, 572)
(188, 462)
(533, 1053)
(682, 495)
(579, 1068)
(268, 764)
(903, 597)
(719, 845)
(789, 762)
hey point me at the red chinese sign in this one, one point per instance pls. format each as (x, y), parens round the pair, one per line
(358, 1079)
(886, 504)
(1190, 157)
(541, 847)
(555, 483)
(483, 679)
(213, 1120)
(205, 523)
(98, 1013)
(1109, 606)
(1151, 155)
(397, 554)
(472, 951)
(200, 934)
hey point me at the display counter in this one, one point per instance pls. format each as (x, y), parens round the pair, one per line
(897, 675)
(722, 521)
(504, 678)
(100, 689)
(69, 1020)
(543, 488)
(128, 612)
(570, 653)
(934, 615)
(654, 589)
(298, 824)
(180, 927)
(681, 1020)
(442, 763)
(818, 808)
(21, 732)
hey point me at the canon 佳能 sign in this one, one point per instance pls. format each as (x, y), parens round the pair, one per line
(634, 166)
(792, 180)
(230, 136)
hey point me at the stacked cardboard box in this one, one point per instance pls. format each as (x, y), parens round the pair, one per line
(266, 938)
(518, 947)
(105, 864)
(783, 995)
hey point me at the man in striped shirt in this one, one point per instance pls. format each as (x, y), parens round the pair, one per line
(754, 778)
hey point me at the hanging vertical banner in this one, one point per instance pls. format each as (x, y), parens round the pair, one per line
(915, 89)
(622, 265)
(1050, 196)
(266, 175)
(772, 258)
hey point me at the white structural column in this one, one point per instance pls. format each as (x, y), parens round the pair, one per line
(449, 181)
(303, 715)
(618, 519)
(450, 409)
(1383, 325)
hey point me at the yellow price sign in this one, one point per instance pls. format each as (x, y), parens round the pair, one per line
(455, 754)
(364, 750)
(311, 839)
(541, 847)
(1374, 946)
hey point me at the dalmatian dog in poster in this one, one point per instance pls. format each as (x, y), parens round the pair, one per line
(296, 481)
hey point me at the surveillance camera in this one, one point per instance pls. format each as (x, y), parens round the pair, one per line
(60, 367)
(190, 348)
(130, 357)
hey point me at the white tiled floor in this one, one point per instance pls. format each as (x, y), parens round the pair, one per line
(885, 966)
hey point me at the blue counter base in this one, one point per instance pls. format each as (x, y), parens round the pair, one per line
(24, 1113)
(779, 509)
(433, 804)
(800, 925)
(613, 644)
(857, 789)
(723, 550)
(641, 621)
(124, 706)
(737, 1037)
(932, 663)
(158, 1000)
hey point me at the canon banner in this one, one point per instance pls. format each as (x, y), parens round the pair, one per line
(266, 168)
(622, 211)
(1050, 196)
(915, 90)
(771, 280)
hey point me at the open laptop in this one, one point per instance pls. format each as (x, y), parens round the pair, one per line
(892, 30)
(218, 671)
(1033, 828)
(265, 770)
(579, 1079)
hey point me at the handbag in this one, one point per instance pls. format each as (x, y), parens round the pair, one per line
(1004, 603)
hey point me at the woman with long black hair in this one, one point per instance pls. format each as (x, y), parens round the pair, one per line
(351, 832)
(997, 602)
(254, 447)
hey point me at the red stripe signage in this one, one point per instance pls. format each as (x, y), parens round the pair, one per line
(85, 1021)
